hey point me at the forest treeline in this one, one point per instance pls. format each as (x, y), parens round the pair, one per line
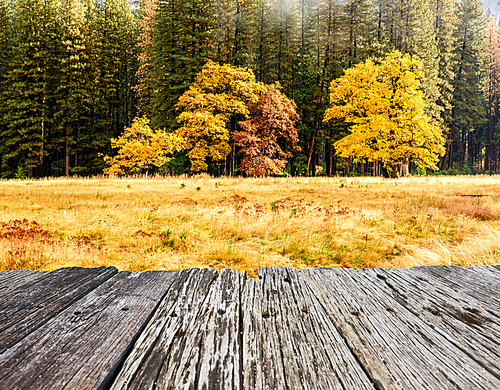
(75, 73)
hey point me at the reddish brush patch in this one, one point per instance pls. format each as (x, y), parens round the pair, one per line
(24, 230)
(236, 200)
(142, 233)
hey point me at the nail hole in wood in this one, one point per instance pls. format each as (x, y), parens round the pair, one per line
(381, 277)
(355, 313)
(390, 310)
(472, 310)
(288, 280)
(125, 308)
(174, 314)
(221, 312)
(265, 315)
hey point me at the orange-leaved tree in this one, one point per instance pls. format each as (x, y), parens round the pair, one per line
(218, 94)
(273, 119)
(384, 107)
(141, 149)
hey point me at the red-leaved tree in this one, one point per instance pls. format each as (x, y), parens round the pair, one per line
(267, 139)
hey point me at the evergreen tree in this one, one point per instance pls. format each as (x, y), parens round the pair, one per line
(493, 79)
(145, 47)
(445, 23)
(5, 47)
(421, 41)
(24, 110)
(73, 95)
(183, 44)
(5, 30)
(469, 60)
(263, 40)
(114, 62)
(283, 44)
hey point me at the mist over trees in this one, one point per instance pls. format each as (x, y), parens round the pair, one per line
(75, 73)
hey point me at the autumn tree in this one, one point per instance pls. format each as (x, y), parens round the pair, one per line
(141, 149)
(209, 107)
(385, 109)
(267, 139)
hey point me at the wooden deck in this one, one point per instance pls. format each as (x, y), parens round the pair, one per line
(419, 328)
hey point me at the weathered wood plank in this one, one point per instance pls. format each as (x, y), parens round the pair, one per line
(289, 342)
(488, 270)
(484, 289)
(83, 346)
(30, 306)
(10, 280)
(397, 348)
(460, 318)
(192, 341)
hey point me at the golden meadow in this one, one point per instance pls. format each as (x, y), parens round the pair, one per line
(247, 223)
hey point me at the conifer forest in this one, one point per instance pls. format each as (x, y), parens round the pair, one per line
(248, 87)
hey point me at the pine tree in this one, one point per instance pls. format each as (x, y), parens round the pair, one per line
(115, 64)
(5, 38)
(493, 79)
(445, 23)
(73, 95)
(328, 32)
(469, 60)
(183, 44)
(263, 40)
(283, 44)
(145, 81)
(421, 41)
(5, 47)
(25, 114)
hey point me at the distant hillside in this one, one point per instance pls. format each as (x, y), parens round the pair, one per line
(493, 6)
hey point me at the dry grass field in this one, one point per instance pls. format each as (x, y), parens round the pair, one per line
(174, 223)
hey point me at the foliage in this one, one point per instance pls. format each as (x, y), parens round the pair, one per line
(23, 111)
(468, 57)
(74, 73)
(217, 93)
(182, 39)
(140, 149)
(385, 108)
(273, 120)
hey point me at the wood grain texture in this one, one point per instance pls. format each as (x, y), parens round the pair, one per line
(28, 307)
(192, 342)
(458, 317)
(84, 345)
(10, 280)
(419, 328)
(474, 284)
(289, 341)
(397, 348)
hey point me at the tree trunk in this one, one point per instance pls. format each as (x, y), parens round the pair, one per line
(66, 172)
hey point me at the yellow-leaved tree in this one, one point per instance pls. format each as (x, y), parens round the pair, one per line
(218, 95)
(141, 149)
(385, 110)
